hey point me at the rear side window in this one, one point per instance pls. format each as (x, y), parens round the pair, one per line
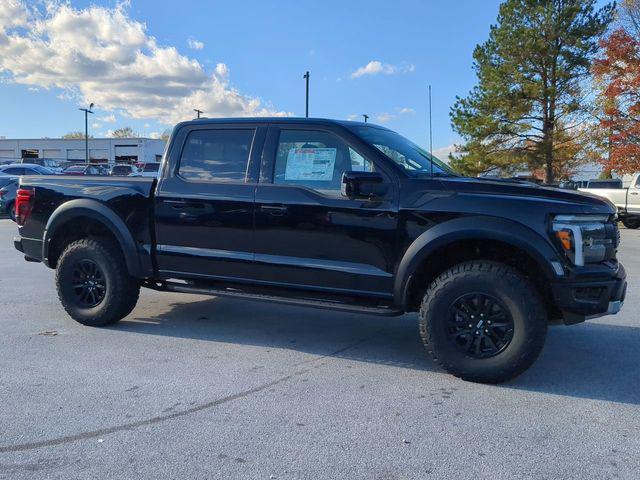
(216, 155)
(14, 171)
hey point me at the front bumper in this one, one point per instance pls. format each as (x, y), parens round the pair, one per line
(583, 299)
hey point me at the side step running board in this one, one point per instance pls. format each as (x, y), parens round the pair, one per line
(295, 301)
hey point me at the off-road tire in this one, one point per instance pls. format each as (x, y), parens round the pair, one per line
(509, 287)
(121, 290)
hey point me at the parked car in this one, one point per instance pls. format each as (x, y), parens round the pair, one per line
(149, 169)
(333, 214)
(626, 200)
(18, 169)
(94, 170)
(103, 168)
(5, 179)
(51, 163)
(123, 169)
(8, 197)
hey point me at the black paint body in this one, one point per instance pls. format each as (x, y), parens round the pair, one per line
(293, 239)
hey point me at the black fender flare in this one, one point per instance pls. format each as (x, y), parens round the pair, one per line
(466, 228)
(84, 207)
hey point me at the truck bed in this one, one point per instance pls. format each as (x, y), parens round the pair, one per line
(130, 198)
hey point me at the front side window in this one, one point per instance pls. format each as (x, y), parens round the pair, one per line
(316, 160)
(216, 155)
(404, 153)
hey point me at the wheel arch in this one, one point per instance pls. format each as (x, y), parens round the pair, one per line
(467, 238)
(100, 214)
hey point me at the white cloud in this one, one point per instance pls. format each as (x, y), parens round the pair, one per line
(102, 55)
(443, 152)
(222, 70)
(385, 117)
(95, 125)
(108, 118)
(376, 67)
(195, 44)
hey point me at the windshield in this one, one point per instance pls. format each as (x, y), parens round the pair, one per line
(406, 154)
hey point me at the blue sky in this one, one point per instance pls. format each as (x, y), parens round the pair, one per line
(265, 47)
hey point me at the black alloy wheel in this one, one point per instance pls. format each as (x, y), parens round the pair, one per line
(89, 283)
(480, 325)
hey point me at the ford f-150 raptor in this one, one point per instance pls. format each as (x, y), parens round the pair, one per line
(332, 214)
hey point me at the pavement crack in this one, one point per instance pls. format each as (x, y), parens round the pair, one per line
(162, 418)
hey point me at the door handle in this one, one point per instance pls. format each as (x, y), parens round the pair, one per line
(275, 210)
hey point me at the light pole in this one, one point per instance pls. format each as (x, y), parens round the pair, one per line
(198, 112)
(366, 117)
(86, 111)
(306, 77)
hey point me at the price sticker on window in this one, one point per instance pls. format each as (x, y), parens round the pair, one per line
(310, 164)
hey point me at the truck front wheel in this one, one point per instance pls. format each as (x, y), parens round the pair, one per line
(93, 283)
(482, 321)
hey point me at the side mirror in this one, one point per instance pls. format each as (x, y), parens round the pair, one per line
(363, 185)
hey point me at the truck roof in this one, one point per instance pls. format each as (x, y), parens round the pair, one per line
(278, 120)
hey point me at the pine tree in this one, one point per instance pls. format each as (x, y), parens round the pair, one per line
(531, 73)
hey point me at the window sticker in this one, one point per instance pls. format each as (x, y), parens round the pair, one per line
(311, 164)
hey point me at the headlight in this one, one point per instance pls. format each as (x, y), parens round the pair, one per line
(585, 238)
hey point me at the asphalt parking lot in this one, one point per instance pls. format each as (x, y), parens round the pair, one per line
(213, 388)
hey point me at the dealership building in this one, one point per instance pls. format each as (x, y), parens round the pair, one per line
(101, 150)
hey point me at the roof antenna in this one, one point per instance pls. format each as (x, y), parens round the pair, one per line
(430, 134)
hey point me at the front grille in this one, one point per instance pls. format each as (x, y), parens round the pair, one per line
(588, 293)
(612, 233)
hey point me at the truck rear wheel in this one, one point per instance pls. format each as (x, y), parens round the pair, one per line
(482, 321)
(93, 283)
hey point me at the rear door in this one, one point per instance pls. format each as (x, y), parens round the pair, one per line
(205, 200)
(307, 233)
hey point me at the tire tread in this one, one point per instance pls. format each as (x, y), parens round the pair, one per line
(125, 290)
(535, 311)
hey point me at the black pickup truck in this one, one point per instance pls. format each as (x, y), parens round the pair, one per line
(330, 214)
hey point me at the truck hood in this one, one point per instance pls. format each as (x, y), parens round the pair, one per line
(521, 193)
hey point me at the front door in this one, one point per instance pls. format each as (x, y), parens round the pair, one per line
(204, 203)
(307, 233)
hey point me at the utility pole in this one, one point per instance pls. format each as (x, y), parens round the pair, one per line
(306, 77)
(198, 112)
(366, 117)
(86, 111)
